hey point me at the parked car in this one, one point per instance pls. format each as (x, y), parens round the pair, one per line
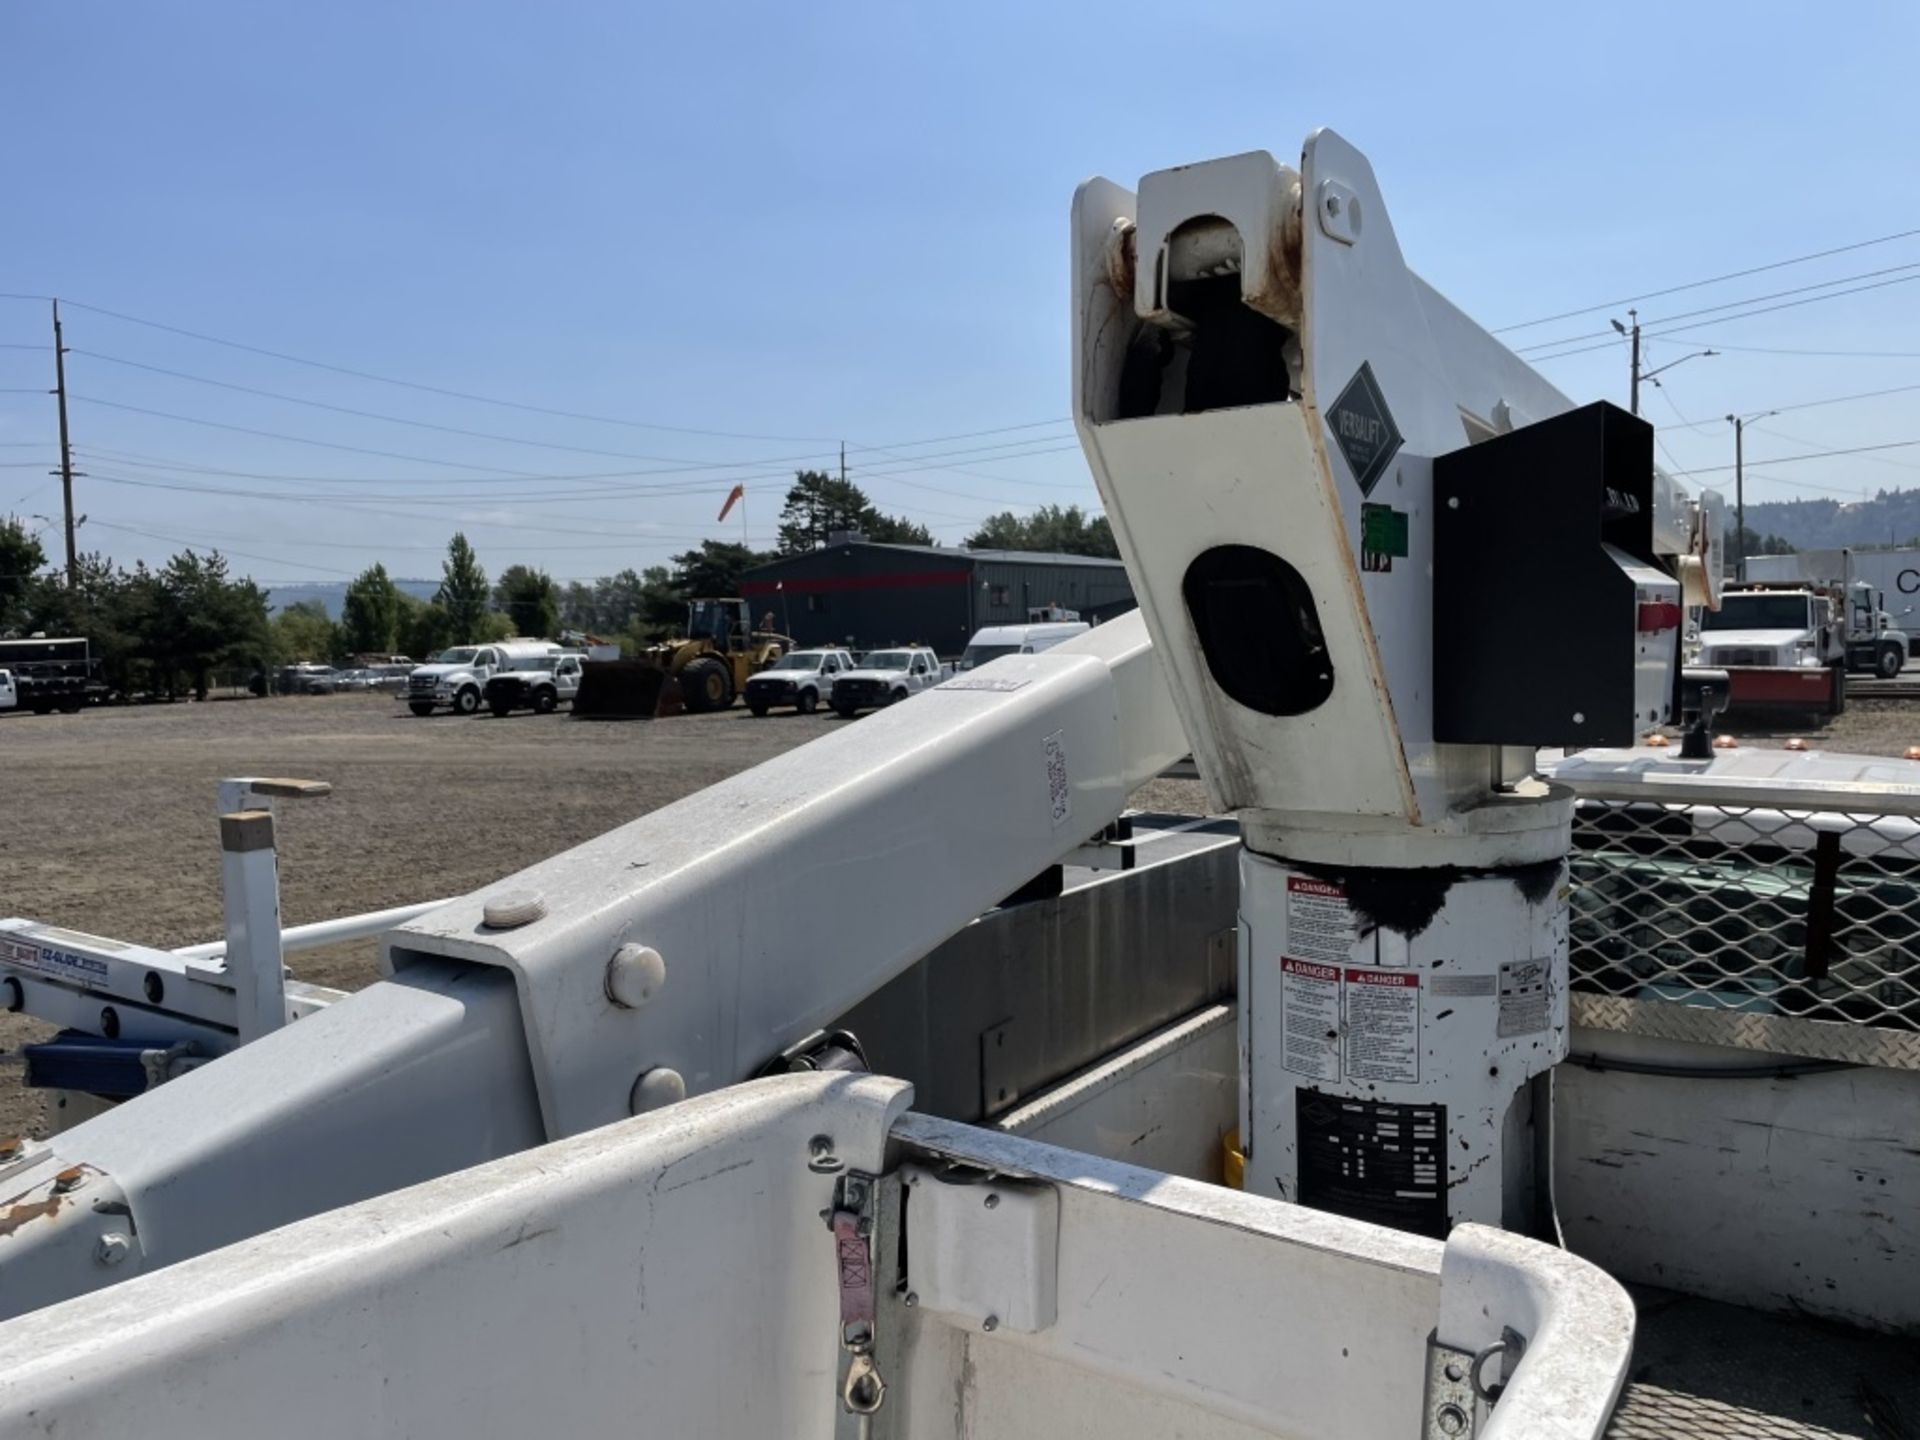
(457, 678)
(538, 683)
(800, 679)
(391, 678)
(884, 677)
(307, 679)
(997, 640)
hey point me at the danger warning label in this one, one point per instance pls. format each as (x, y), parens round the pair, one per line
(1383, 1025)
(1310, 1019)
(1320, 924)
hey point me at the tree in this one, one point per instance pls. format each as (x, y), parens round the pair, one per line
(714, 569)
(202, 621)
(21, 557)
(370, 613)
(423, 629)
(302, 633)
(897, 530)
(818, 504)
(580, 607)
(1068, 531)
(463, 592)
(528, 598)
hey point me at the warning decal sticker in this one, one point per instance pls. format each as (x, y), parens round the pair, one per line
(1310, 1019)
(1363, 428)
(1523, 997)
(1320, 924)
(1383, 1025)
(1054, 748)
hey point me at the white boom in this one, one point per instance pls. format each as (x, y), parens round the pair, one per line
(671, 956)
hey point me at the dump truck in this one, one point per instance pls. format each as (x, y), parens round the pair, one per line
(706, 670)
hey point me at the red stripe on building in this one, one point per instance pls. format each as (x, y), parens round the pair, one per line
(909, 580)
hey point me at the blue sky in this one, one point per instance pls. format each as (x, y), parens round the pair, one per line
(845, 221)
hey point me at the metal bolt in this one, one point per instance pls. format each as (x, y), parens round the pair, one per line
(1453, 502)
(112, 1248)
(1579, 717)
(911, 1300)
(71, 1178)
(634, 974)
(990, 1324)
(1453, 1420)
(511, 909)
(655, 1088)
(1455, 1371)
(993, 1201)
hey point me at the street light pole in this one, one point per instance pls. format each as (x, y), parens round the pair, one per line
(1740, 423)
(1739, 500)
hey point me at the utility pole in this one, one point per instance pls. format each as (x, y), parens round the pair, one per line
(1634, 333)
(66, 449)
(843, 462)
(1634, 315)
(1739, 500)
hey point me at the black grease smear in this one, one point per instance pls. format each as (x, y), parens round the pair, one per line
(1406, 901)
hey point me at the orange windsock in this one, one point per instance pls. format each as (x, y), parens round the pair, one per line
(734, 497)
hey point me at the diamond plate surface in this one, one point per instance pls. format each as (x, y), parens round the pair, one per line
(1705, 1371)
(1790, 931)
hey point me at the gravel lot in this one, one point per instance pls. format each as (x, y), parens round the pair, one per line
(111, 824)
(112, 813)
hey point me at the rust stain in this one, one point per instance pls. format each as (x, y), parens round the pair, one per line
(26, 1213)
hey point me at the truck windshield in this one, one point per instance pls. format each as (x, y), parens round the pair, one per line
(796, 662)
(1758, 612)
(888, 660)
(981, 654)
(458, 657)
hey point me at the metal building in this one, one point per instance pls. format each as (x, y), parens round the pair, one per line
(862, 595)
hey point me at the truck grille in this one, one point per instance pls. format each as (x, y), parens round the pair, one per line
(1741, 655)
(420, 684)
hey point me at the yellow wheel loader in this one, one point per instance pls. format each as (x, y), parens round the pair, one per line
(705, 671)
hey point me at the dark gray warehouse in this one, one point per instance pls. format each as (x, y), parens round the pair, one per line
(862, 595)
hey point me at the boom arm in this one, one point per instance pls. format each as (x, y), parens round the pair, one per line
(673, 955)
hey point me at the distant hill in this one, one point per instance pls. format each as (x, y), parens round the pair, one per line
(333, 594)
(1890, 518)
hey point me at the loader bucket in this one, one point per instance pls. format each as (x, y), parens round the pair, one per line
(626, 690)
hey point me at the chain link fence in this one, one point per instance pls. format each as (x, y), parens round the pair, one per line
(1770, 927)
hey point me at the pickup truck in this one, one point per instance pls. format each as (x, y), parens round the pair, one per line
(458, 677)
(9, 692)
(538, 683)
(884, 677)
(800, 679)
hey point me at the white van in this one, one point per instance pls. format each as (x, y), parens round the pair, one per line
(997, 640)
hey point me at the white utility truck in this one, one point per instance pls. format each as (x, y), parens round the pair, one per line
(457, 679)
(1782, 644)
(1341, 1113)
(884, 677)
(9, 692)
(800, 678)
(540, 683)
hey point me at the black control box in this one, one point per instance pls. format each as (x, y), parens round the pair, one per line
(1553, 622)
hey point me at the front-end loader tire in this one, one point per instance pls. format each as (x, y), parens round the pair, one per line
(706, 684)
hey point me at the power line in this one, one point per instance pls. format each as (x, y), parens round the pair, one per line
(1711, 280)
(1826, 354)
(1816, 444)
(441, 389)
(1899, 270)
(1817, 455)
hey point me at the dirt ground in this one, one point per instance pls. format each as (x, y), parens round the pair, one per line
(110, 814)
